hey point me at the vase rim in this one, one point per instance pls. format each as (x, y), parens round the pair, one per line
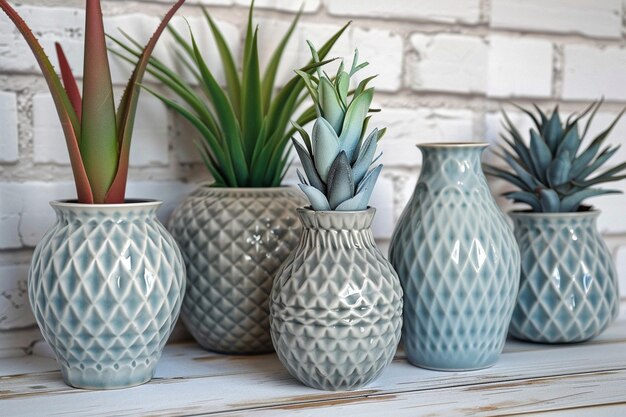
(309, 210)
(129, 203)
(209, 184)
(566, 214)
(452, 145)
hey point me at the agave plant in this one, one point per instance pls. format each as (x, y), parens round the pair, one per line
(245, 125)
(337, 156)
(555, 173)
(98, 139)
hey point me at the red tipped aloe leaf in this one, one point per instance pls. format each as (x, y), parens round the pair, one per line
(67, 115)
(71, 86)
(98, 144)
(127, 109)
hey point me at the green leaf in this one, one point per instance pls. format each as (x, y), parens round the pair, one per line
(553, 131)
(365, 157)
(525, 197)
(252, 103)
(363, 192)
(572, 202)
(228, 63)
(540, 154)
(326, 147)
(549, 200)
(71, 87)
(330, 104)
(353, 122)
(309, 167)
(272, 67)
(318, 200)
(559, 169)
(506, 176)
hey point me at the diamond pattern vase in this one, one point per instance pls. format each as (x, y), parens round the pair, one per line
(336, 304)
(568, 291)
(233, 241)
(106, 285)
(458, 263)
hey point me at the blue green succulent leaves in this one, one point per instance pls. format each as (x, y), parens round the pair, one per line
(554, 173)
(337, 157)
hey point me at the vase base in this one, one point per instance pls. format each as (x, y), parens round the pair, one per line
(452, 369)
(92, 379)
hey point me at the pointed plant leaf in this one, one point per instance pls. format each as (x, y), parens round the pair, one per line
(365, 157)
(602, 158)
(126, 111)
(549, 200)
(318, 200)
(309, 167)
(353, 122)
(558, 171)
(363, 193)
(330, 104)
(326, 147)
(69, 81)
(553, 131)
(540, 153)
(301, 177)
(525, 197)
(572, 202)
(506, 176)
(340, 181)
(569, 143)
(251, 100)
(305, 137)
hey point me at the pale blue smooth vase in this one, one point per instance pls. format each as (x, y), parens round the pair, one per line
(457, 260)
(106, 284)
(568, 290)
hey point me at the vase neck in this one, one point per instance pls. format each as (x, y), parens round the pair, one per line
(72, 212)
(459, 165)
(336, 229)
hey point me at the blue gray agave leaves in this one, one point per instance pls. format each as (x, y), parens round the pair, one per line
(554, 173)
(337, 156)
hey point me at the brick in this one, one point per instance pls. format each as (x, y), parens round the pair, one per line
(48, 139)
(590, 72)
(310, 6)
(450, 63)
(15, 311)
(10, 216)
(384, 51)
(612, 219)
(620, 267)
(382, 200)
(8, 133)
(519, 67)
(407, 127)
(596, 18)
(446, 11)
(49, 24)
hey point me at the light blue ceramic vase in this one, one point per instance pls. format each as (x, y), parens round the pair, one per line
(106, 285)
(457, 261)
(568, 290)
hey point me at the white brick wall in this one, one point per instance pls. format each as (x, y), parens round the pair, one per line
(445, 68)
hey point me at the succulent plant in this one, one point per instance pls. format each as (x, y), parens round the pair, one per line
(555, 173)
(245, 126)
(98, 139)
(336, 157)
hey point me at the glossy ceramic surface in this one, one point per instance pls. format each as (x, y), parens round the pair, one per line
(233, 241)
(458, 263)
(568, 292)
(106, 285)
(336, 303)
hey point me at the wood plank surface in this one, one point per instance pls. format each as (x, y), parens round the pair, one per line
(579, 379)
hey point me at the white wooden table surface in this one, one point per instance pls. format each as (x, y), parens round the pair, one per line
(565, 380)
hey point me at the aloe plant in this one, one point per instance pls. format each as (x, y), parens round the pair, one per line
(555, 173)
(336, 157)
(98, 139)
(245, 125)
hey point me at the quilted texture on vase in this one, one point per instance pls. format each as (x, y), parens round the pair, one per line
(106, 285)
(457, 261)
(336, 304)
(233, 241)
(568, 291)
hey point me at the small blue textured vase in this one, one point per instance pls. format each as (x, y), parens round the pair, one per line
(568, 290)
(458, 263)
(106, 284)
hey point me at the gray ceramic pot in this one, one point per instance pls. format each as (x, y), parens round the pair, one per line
(336, 303)
(568, 292)
(106, 285)
(458, 263)
(233, 241)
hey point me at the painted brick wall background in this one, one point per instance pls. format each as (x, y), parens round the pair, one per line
(445, 69)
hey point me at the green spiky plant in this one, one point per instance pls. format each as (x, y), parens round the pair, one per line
(98, 139)
(555, 173)
(245, 127)
(337, 156)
